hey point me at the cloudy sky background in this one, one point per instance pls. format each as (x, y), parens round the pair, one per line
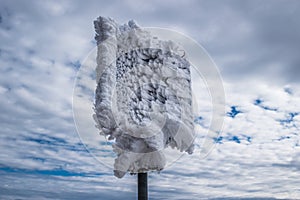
(255, 45)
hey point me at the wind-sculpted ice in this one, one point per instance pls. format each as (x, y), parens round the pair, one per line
(143, 100)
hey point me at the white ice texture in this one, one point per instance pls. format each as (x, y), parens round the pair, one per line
(143, 100)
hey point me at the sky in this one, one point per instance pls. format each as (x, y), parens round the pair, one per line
(255, 45)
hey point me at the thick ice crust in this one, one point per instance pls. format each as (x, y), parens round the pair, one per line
(143, 98)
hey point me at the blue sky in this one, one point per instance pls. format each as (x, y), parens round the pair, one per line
(255, 45)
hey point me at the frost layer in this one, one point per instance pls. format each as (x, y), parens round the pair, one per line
(143, 98)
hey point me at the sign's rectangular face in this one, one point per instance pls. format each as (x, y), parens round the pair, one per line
(143, 98)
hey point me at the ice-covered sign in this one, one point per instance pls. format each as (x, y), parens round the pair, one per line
(143, 100)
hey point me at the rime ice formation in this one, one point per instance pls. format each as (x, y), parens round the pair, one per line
(143, 98)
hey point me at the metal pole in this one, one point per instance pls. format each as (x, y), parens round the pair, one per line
(142, 186)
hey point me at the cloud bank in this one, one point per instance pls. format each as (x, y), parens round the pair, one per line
(255, 44)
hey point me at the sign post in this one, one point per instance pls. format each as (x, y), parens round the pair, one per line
(142, 182)
(143, 99)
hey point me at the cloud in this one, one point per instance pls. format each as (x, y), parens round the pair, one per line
(255, 44)
(64, 187)
(250, 39)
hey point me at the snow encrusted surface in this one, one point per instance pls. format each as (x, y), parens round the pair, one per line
(143, 100)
